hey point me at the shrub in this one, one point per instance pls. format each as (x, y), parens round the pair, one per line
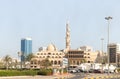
(18, 73)
(45, 72)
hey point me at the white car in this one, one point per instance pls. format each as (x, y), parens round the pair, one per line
(72, 71)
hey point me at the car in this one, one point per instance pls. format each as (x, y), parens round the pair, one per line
(97, 71)
(91, 71)
(106, 71)
(72, 71)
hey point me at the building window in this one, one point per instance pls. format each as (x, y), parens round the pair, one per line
(56, 57)
(52, 62)
(48, 56)
(88, 61)
(59, 62)
(77, 62)
(49, 53)
(55, 62)
(37, 53)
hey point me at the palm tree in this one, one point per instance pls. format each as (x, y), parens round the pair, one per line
(7, 59)
(2, 65)
(29, 57)
(46, 63)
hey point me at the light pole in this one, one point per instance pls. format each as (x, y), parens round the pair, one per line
(102, 53)
(19, 55)
(108, 20)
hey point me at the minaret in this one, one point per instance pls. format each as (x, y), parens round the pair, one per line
(67, 36)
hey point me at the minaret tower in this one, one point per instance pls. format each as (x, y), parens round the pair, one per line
(67, 36)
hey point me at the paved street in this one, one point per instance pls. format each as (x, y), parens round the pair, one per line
(40, 77)
(95, 76)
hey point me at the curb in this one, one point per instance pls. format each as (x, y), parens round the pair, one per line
(104, 77)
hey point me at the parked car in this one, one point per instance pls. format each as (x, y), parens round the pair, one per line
(97, 71)
(91, 71)
(72, 71)
(110, 71)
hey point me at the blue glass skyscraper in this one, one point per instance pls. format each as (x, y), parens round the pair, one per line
(26, 47)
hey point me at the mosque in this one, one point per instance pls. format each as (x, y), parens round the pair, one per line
(75, 57)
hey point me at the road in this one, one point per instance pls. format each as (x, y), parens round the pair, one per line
(95, 75)
(79, 75)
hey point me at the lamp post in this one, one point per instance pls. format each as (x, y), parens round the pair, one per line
(102, 53)
(19, 55)
(108, 20)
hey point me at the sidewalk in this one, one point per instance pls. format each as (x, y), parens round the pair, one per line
(40, 77)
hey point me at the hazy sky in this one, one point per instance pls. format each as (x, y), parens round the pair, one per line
(45, 22)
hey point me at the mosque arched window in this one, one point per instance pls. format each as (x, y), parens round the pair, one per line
(59, 62)
(52, 56)
(48, 56)
(37, 53)
(39, 62)
(52, 61)
(49, 53)
(55, 62)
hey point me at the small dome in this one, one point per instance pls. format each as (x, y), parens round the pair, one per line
(51, 47)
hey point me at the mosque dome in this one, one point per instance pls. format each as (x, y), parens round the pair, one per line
(51, 47)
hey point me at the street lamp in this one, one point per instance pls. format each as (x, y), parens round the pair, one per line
(20, 55)
(102, 52)
(108, 19)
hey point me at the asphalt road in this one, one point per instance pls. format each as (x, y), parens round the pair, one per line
(95, 75)
(79, 75)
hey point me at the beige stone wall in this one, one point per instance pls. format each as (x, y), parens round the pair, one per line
(91, 56)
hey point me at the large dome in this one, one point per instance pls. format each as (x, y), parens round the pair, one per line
(51, 47)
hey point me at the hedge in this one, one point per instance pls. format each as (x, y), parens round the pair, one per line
(45, 72)
(18, 73)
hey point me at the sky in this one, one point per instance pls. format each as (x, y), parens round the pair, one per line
(45, 22)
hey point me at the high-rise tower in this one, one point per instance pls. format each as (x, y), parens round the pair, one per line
(67, 36)
(26, 47)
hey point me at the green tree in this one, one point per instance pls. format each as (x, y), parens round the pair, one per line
(8, 60)
(46, 63)
(29, 57)
(2, 65)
